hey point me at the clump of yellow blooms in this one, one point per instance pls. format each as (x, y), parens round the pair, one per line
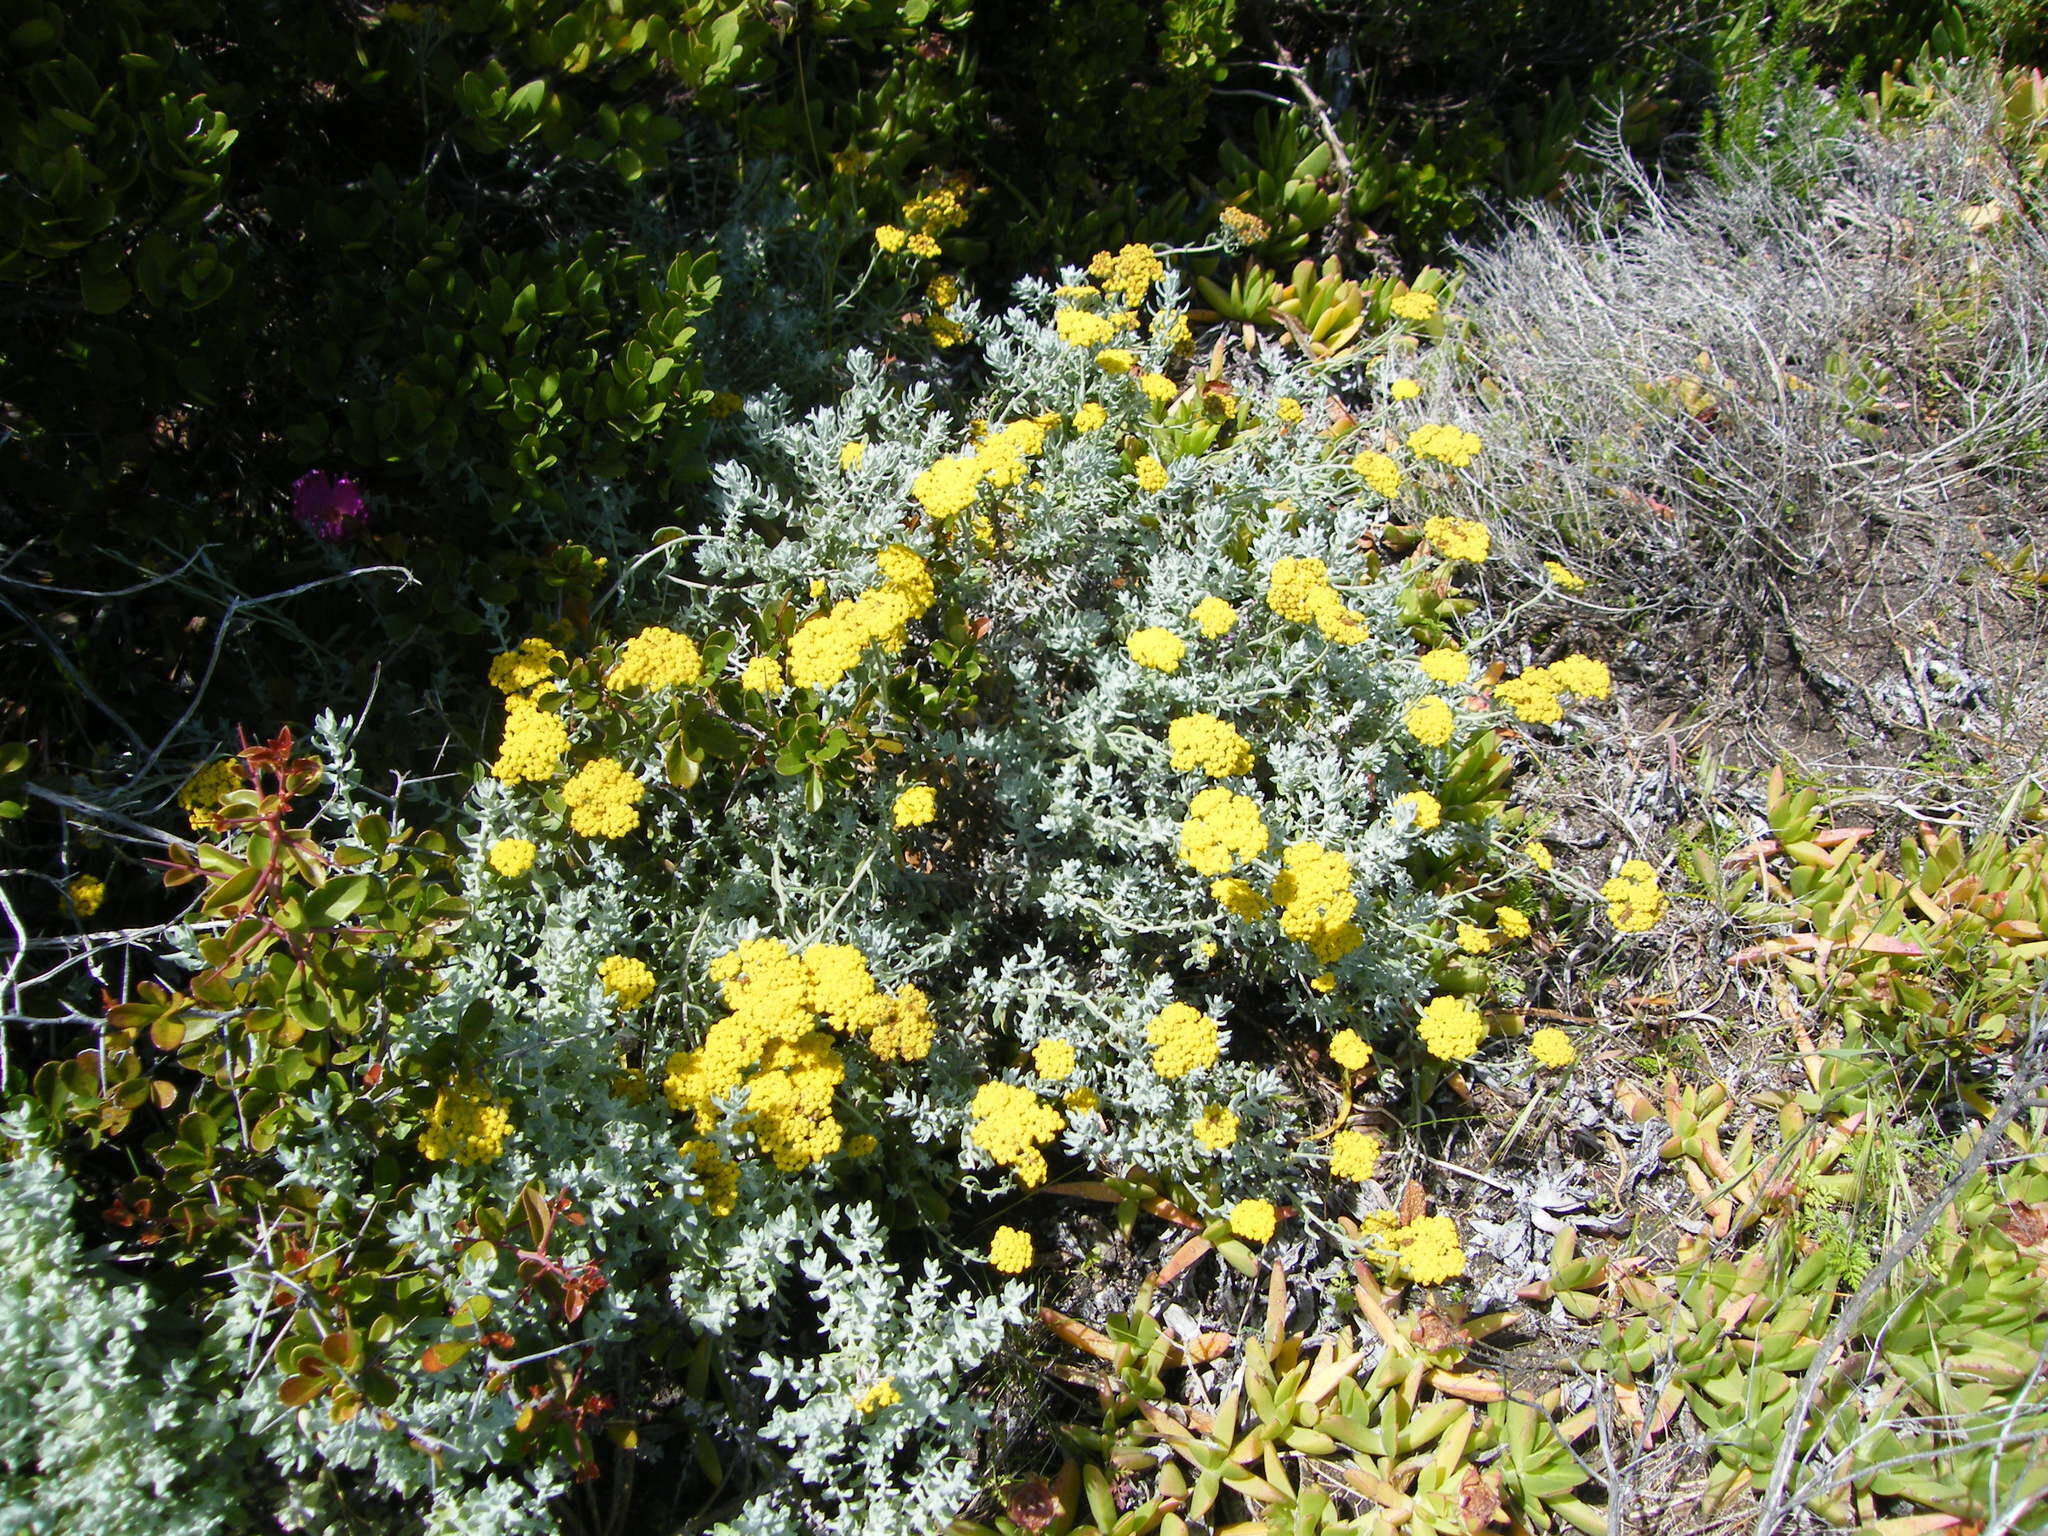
(1535, 696)
(1299, 590)
(1090, 416)
(1254, 1220)
(1243, 226)
(468, 1124)
(1116, 360)
(1449, 445)
(1082, 1101)
(1313, 893)
(525, 666)
(1405, 389)
(1451, 1028)
(1183, 1040)
(882, 1394)
(532, 747)
(1350, 1050)
(1053, 1060)
(202, 793)
(943, 291)
(827, 646)
(84, 895)
(1130, 273)
(1379, 472)
(915, 807)
(628, 980)
(512, 857)
(1083, 328)
(1513, 922)
(1212, 745)
(1159, 649)
(1429, 811)
(763, 675)
(1426, 1250)
(718, 1175)
(890, 238)
(1445, 664)
(604, 799)
(1474, 940)
(1634, 904)
(1354, 1155)
(947, 488)
(1215, 1127)
(851, 453)
(1010, 1250)
(1327, 982)
(1222, 830)
(1005, 454)
(1565, 577)
(1413, 305)
(1539, 855)
(1151, 475)
(1552, 1048)
(1214, 617)
(657, 658)
(1241, 897)
(1430, 721)
(1158, 388)
(1011, 1124)
(1582, 675)
(1459, 538)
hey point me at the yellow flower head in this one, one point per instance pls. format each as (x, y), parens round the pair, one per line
(511, 857)
(1053, 1060)
(1446, 444)
(1011, 1124)
(1405, 389)
(1414, 305)
(468, 1124)
(1159, 649)
(84, 894)
(1151, 475)
(851, 453)
(1158, 388)
(1183, 1040)
(1552, 1048)
(533, 744)
(1429, 811)
(1212, 745)
(1430, 721)
(1081, 328)
(1010, 1250)
(1451, 1028)
(763, 675)
(1214, 617)
(629, 981)
(1459, 538)
(1537, 854)
(916, 806)
(1566, 578)
(528, 663)
(1445, 664)
(1116, 360)
(1253, 1220)
(889, 238)
(1221, 831)
(1289, 410)
(1354, 1155)
(1513, 922)
(882, 1394)
(603, 799)
(1089, 417)
(656, 658)
(1474, 940)
(1379, 472)
(1216, 1127)
(202, 794)
(1350, 1050)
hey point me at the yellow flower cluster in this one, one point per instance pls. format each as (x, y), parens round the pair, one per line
(763, 675)
(1222, 830)
(827, 646)
(1426, 1250)
(851, 453)
(604, 799)
(1451, 1028)
(1159, 389)
(1552, 1048)
(533, 744)
(467, 1124)
(1474, 940)
(1313, 893)
(1451, 445)
(1216, 1127)
(1243, 226)
(1116, 360)
(1212, 745)
(1254, 1220)
(1151, 475)
(1053, 1060)
(1090, 417)
(1083, 328)
(1159, 649)
(1010, 1250)
(526, 665)
(1350, 1050)
(1634, 904)
(1011, 1124)
(657, 658)
(1537, 854)
(1565, 577)
(1430, 721)
(512, 857)
(882, 1394)
(890, 238)
(1214, 617)
(202, 794)
(1354, 1155)
(1413, 305)
(1299, 591)
(1405, 389)
(915, 807)
(1429, 811)
(939, 210)
(1380, 473)
(1513, 922)
(947, 488)
(1240, 897)
(1183, 1040)
(1445, 664)
(943, 291)
(1459, 538)
(1130, 273)
(628, 980)
(1535, 696)
(717, 1175)
(84, 895)
(1289, 410)
(1005, 454)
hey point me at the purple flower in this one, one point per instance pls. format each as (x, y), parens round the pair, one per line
(329, 507)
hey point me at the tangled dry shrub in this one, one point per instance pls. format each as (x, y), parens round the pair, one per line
(1823, 366)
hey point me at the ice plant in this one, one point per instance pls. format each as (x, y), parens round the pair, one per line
(330, 507)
